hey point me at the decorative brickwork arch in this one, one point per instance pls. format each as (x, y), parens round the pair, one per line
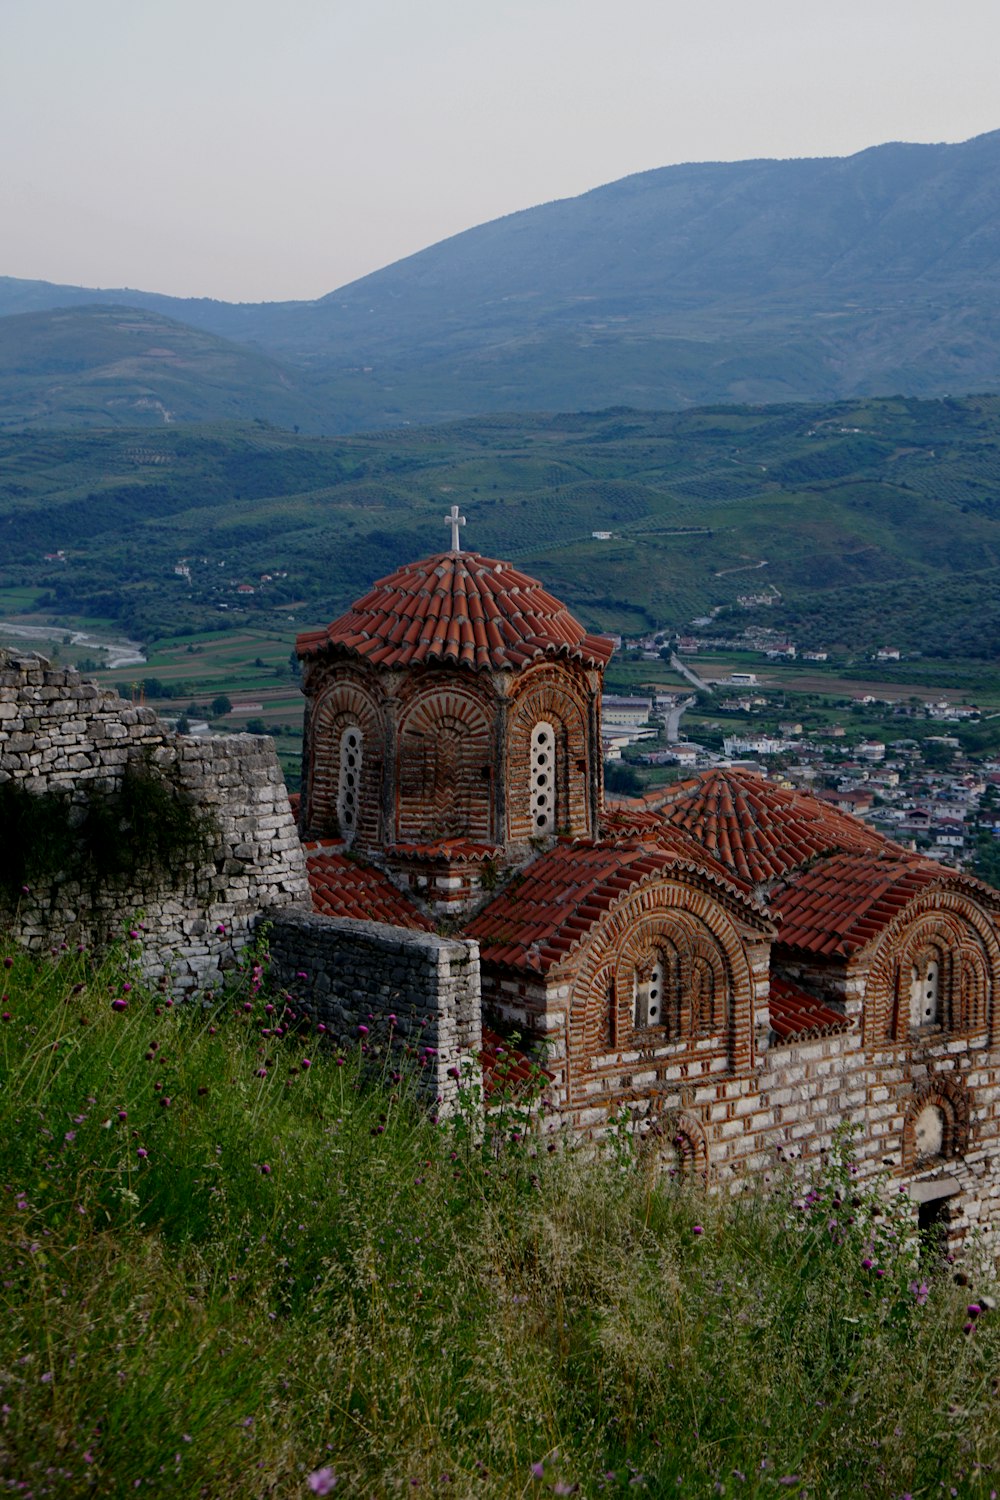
(695, 978)
(553, 698)
(444, 785)
(708, 986)
(345, 705)
(937, 964)
(599, 1013)
(675, 1146)
(936, 1124)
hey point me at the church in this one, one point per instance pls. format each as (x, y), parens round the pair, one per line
(738, 967)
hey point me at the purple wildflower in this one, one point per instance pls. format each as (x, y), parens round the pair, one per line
(322, 1481)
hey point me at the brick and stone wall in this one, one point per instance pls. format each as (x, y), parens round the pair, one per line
(349, 974)
(61, 733)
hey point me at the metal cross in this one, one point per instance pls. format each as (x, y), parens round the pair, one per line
(454, 520)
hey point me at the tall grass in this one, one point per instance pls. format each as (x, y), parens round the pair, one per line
(236, 1261)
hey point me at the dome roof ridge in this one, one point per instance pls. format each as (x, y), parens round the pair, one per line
(463, 608)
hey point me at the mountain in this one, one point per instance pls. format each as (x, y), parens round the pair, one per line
(749, 281)
(100, 366)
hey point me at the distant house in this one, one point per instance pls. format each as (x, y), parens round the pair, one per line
(740, 745)
(601, 536)
(618, 710)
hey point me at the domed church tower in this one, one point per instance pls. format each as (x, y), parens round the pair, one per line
(452, 722)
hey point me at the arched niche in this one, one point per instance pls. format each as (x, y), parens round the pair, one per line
(936, 1124)
(444, 776)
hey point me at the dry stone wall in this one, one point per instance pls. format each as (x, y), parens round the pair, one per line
(374, 984)
(60, 733)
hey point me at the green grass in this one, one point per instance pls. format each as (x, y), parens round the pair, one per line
(291, 1268)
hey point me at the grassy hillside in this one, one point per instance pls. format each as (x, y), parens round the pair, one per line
(239, 1261)
(120, 366)
(868, 523)
(743, 281)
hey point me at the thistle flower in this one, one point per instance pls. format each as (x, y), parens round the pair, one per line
(322, 1481)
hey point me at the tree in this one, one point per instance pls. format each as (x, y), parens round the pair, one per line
(622, 778)
(221, 706)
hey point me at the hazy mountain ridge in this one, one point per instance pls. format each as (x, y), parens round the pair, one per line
(760, 280)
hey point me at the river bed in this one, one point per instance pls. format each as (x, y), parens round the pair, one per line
(123, 653)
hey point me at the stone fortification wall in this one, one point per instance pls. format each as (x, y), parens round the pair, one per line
(62, 734)
(349, 974)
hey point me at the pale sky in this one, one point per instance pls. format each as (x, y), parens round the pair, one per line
(270, 149)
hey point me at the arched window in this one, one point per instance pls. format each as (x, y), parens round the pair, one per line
(543, 778)
(925, 989)
(929, 1129)
(649, 977)
(349, 783)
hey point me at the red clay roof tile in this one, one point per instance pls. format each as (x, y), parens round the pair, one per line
(545, 912)
(463, 608)
(343, 887)
(797, 1015)
(841, 903)
(758, 830)
(507, 1070)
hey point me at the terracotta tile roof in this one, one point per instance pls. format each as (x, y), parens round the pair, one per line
(342, 887)
(456, 850)
(797, 1016)
(463, 608)
(840, 904)
(629, 815)
(758, 830)
(505, 1069)
(538, 919)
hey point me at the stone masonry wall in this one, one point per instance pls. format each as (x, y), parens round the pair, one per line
(61, 732)
(349, 974)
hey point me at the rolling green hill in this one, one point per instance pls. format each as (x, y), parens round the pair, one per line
(748, 281)
(869, 522)
(100, 366)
